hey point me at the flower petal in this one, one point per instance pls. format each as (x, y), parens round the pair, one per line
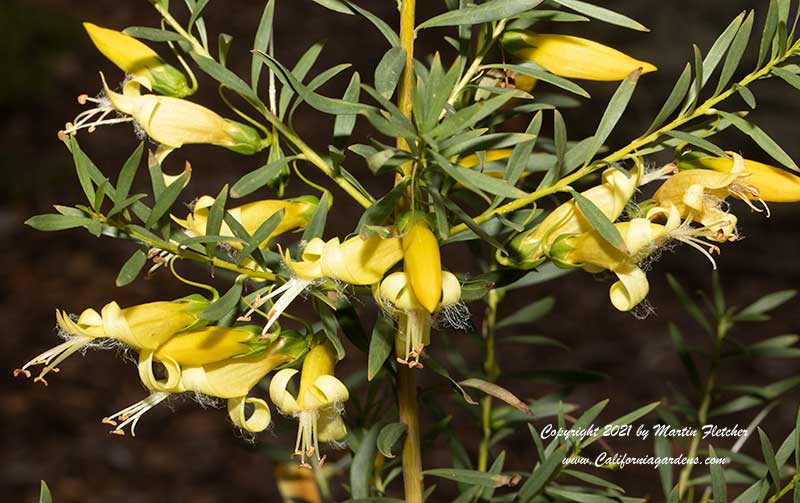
(278, 393)
(259, 418)
(631, 288)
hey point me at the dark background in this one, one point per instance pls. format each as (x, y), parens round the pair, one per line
(193, 455)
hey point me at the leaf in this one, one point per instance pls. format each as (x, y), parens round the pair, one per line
(152, 34)
(260, 177)
(769, 458)
(767, 36)
(388, 71)
(602, 14)
(380, 345)
(389, 436)
(383, 207)
(334, 5)
(477, 181)
(522, 151)
(600, 222)
(697, 142)
(344, 124)
(331, 328)
(54, 222)
(482, 13)
(498, 392)
(228, 79)
(663, 449)
(261, 234)
(765, 304)
(685, 355)
(738, 46)
(166, 199)
(616, 107)
(316, 225)
(262, 41)
(197, 11)
(790, 78)
(130, 270)
(536, 340)
(363, 462)
(44, 493)
(324, 104)
(225, 304)
(379, 23)
(541, 476)
(470, 477)
(217, 213)
(529, 314)
(469, 116)
(536, 71)
(468, 221)
(719, 487)
(125, 179)
(688, 304)
(761, 138)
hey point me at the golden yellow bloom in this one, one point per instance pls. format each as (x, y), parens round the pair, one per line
(593, 253)
(136, 59)
(206, 345)
(141, 327)
(528, 249)
(297, 213)
(423, 264)
(772, 184)
(231, 379)
(414, 320)
(572, 57)
(318, 403)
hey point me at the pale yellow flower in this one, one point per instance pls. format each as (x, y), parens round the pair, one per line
(139, 61)
(771, 184)
(572, 57)
(317, 406)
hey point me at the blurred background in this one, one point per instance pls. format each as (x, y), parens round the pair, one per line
(194, 455)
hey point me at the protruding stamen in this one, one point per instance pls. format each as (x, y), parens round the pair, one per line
(25, 372)
(131, 415)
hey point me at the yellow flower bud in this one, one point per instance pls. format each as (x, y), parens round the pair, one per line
(572, 57)
(297, 213)
(423, 264)
(205, 345)
(175, 122)
(136, 59)
(772, 184)
(472, 160)
(528, 249)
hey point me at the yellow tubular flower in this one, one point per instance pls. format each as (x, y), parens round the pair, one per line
(414, 319)
(593, 253)
(138, 60)
(206, 345)
(773, 185)
(355, 261)
(142, 327)
(423, 264)
(572, 57)
(231, 379)
(318, 402)
(297, 213)
(528, 249)
(698, 194)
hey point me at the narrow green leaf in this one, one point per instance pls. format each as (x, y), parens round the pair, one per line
(747, 95)
(768, 35)
(674, 100)
(300, 70)
(468, 221)
(697, 142)
(532, 70)
(344, 124)
(130, 270)
(261, 234)
(54, 222)
(600, 222)
(166, 199)
(602, 14)
(541, 476)
(316, 225)
(663, 449)
(152, 34)
(44, 493)
(765, 304)
(470, 477)
(685, 355)
(738, 46)
(719, 487)
(388, 71)
(223, 47)
(383, 207)
(126, 176)
(260, 177)
(225, 304)
(261, 42)
(498, 392)
(691, 306)
(388, 437)
(769, 459)
(477, 181)
(217, 212)
(522, 151)
(616, 107)
(197, 11)
(791, 78)
(469, 116)
(380, 345)
(331, 328)
(528, 314)
(761, 138)
(481, 13)
(363, 463)
(334, 5)
(228, 79)
(380, 24)
(721, 46)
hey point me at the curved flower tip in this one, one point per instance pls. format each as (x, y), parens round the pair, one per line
(317, 405)
(136, 59)
(573, 57)
(297, 213)
(423, 264)
(771, 184)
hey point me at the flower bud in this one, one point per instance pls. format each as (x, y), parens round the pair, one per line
(423, 264)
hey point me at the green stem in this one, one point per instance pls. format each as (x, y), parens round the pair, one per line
(196, 45)
(705, 405)
(491, 370)
(475, 66)
(707, 108)
(788, 487)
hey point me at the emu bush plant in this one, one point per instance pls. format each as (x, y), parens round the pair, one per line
(529, 205)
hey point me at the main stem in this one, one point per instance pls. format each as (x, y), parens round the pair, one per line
(406, 377)
(491, 370)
